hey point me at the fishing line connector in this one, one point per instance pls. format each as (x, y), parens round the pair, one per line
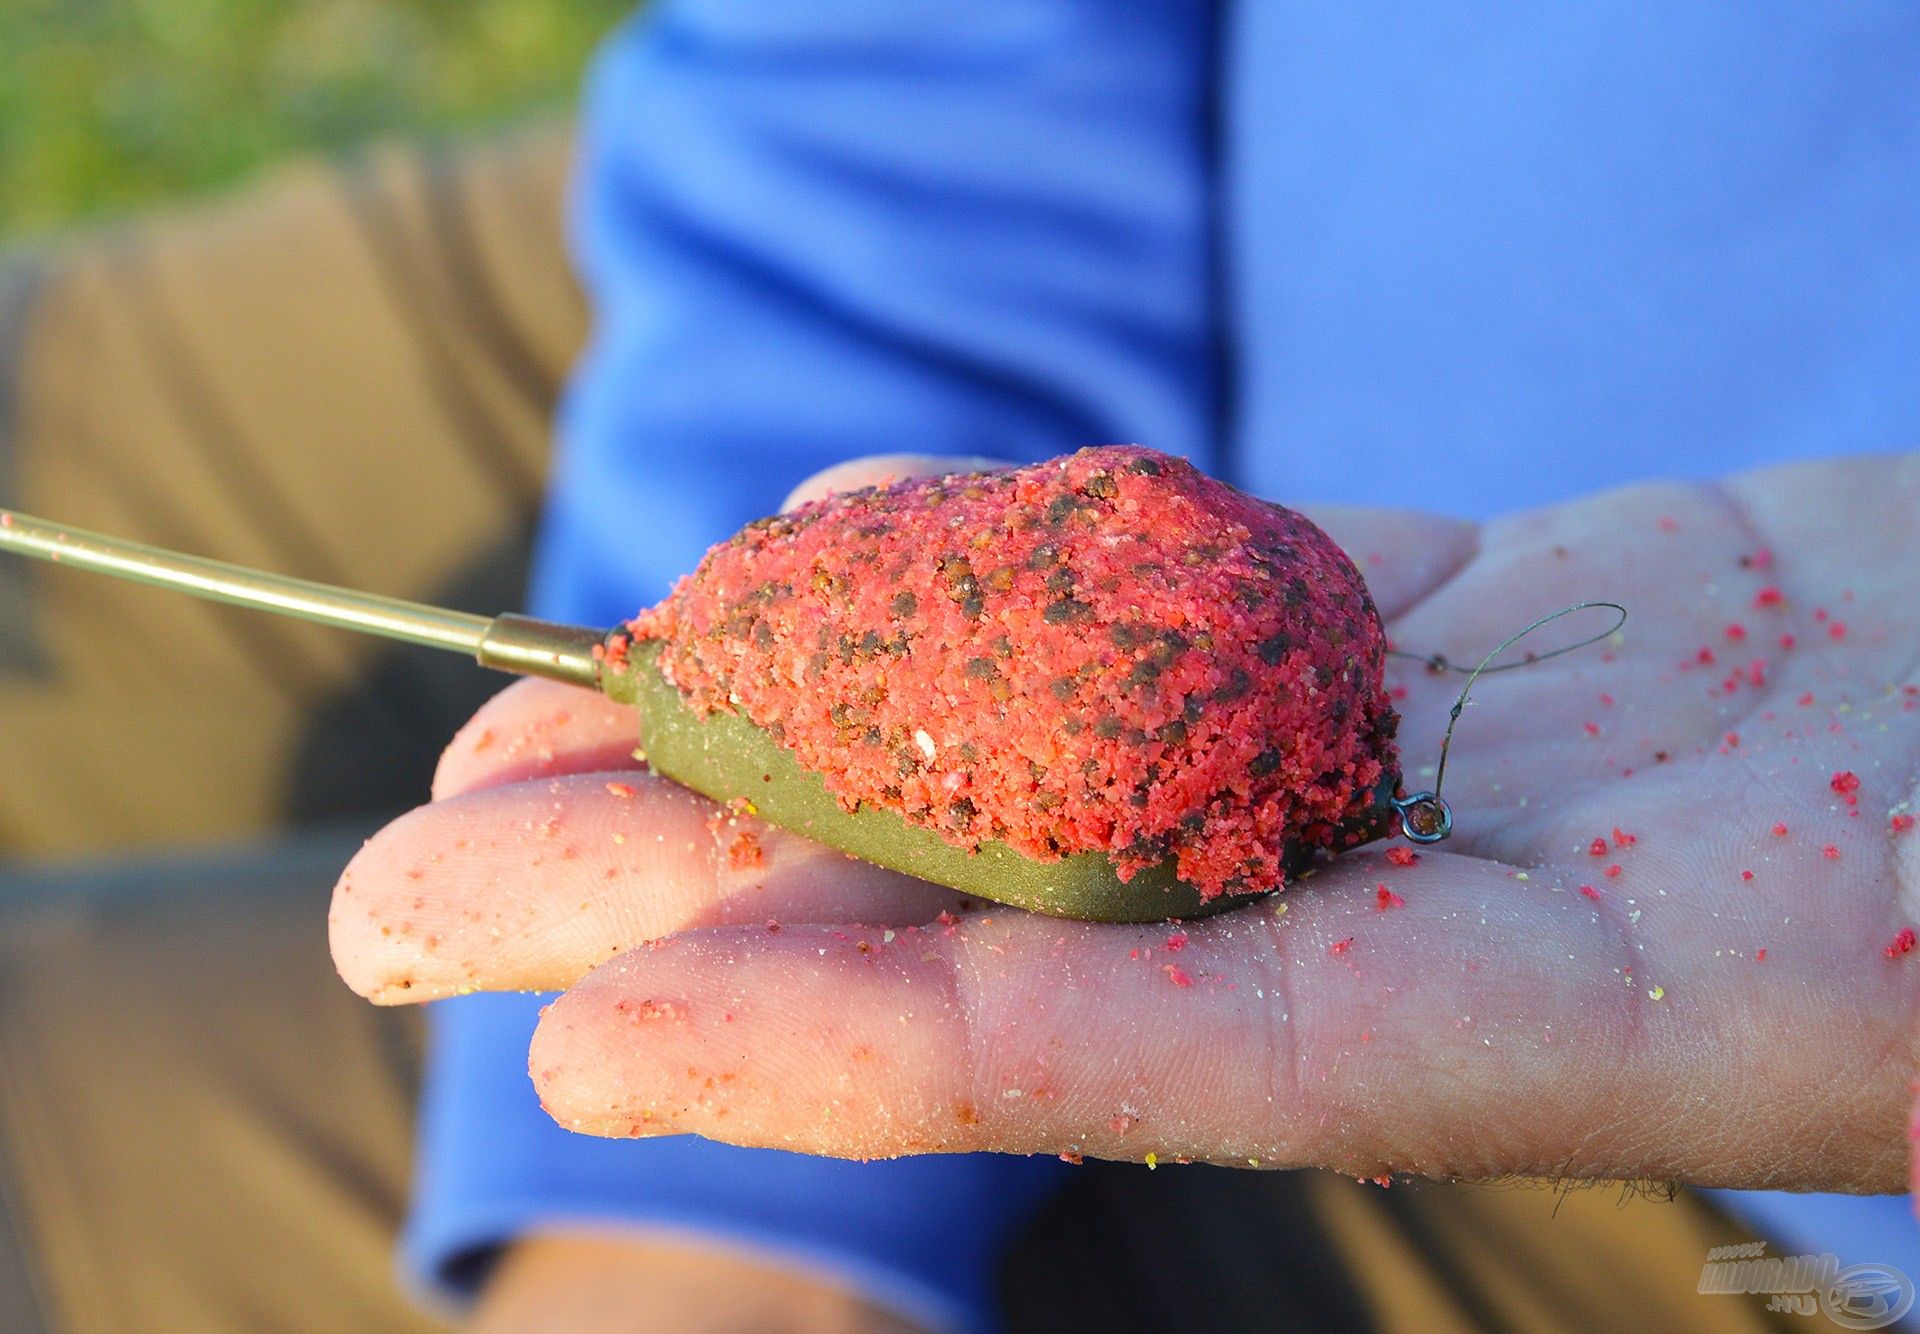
(1425, 817)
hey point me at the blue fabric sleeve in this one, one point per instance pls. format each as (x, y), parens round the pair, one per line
(809, 232)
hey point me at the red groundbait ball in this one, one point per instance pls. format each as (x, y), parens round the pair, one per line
(1109, 652)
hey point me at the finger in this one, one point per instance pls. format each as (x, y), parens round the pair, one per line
(1403, 555)
(1792, 509)
(537, 729)
(525, 887)
(1334, 1034)
(884, 470)
(1483, 1025)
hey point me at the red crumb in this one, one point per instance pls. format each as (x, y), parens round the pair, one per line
(1385, 898)
(1340, 946)
(1108, 652)
(621, 789)
(1787, 641)
(1176, 975)
(1780, 829)
(1901, 943)
(745, 852)
(1760, 955)
(1590, 892)
(613, 651)
(1592, 729)
(1770, 596)
(1746, 875)
(1622, 839)
(1837, 630)
(1831, 853)
(1597, 848)
(1846, 784)
(1176, 941)
(1612, 872)
(1901, 823)
(1736, 631)
(1400, 856)
(646, 1011)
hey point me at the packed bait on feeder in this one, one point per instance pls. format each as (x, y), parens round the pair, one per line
(1105, 686)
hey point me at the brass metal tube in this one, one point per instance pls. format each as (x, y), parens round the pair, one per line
(509, 643)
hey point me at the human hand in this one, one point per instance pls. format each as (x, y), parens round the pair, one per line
(1511, 1004)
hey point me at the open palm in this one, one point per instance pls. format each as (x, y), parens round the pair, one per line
(1665, 939)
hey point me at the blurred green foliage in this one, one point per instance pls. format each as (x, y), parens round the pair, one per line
(107, 104)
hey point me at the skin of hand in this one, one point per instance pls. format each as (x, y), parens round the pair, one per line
(1664, 941)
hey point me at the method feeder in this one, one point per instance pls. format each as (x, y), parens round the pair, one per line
(721, 753)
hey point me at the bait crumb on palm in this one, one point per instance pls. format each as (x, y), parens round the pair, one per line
(745, 852)
(1105, 653)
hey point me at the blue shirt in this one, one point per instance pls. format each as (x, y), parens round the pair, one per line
(1458, 259)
